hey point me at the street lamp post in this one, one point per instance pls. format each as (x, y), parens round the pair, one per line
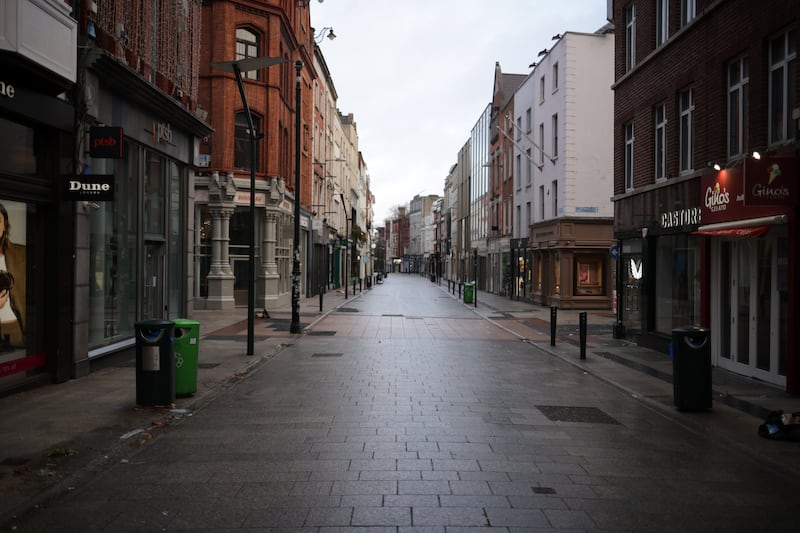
(295, 325)
(237, 67)
(346, 244)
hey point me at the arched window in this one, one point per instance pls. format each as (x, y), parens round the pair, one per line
(241, 141)
(247, 44)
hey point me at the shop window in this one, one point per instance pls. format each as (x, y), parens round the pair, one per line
(13, 275)
(589, 276)
(17, 150)
(677, 282)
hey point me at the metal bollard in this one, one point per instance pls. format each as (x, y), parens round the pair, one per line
(459, 290)
(582, 322)
(553, 327)
(321, 288)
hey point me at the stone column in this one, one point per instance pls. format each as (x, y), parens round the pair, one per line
(221, 205)
(268, 275)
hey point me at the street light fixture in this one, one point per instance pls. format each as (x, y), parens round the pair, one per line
(295, 325)
(237, 67)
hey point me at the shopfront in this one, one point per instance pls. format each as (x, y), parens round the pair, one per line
(35, 234)
(747, 221)
(660, 272)
(570, 263)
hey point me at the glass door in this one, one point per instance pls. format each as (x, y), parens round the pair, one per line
(153, 286)
(751, 307)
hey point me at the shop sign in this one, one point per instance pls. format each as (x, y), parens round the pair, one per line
(726, 196)
(7, 90)
(681, 217)
(770, 181)
(92, 187)
(105, 142)
(162, 133)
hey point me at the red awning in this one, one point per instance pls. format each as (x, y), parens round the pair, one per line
(747, 231)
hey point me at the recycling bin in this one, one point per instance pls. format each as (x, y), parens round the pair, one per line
(187, 348)
(691, 368)
(155, 362)
(469, 291)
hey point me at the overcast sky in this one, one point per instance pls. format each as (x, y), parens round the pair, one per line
(417, 74)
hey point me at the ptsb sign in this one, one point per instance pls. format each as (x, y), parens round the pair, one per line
(105, 142)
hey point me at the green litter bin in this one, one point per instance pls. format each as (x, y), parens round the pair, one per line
(187, 345)
(469, 291)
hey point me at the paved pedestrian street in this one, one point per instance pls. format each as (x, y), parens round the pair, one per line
(405, 411)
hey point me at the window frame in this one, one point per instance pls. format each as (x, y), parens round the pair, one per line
(786, 68)
(660, 142)
(662, 22)
(541, 143)
(630, 37)
(554, 138)
(688, 11)
(248, 46)
(686, 131)
(738, 109)
(555, 77)
(628, 154)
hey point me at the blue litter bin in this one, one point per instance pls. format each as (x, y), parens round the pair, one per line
(155, 362)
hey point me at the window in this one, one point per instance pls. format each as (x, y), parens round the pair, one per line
(555, 77)
(589, 275)
(241, 142)
(782, 83)
(628, 156)
(247, 46)
(662, 21)
(738, 78)
(630, 37)
(528, 169)
(688, 11)
(661, 142)
(528, 214)
(541, 90)
(528, 120)
(554, 152)
(519, 210)
(686, 130)
(541, 201)
(519, 128)
(518, 172)
(541, 144)
(554, 193)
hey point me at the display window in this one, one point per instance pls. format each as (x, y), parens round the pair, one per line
(589, 276)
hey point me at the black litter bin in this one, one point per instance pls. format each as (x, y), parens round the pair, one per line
(691, 368)
(155, 362)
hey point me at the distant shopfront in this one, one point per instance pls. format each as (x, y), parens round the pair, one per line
(748, 221)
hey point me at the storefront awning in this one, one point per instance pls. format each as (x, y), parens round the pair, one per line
(754, 227)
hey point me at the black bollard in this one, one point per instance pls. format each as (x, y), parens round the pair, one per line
(320, 298)
(459, 290)
(360, 286)
(553, 320)
(475, 295)
(582, 322)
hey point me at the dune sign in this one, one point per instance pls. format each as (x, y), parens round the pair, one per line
(91, 187)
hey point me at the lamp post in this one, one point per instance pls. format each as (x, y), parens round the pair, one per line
(346, 244)
(295, 325)
(237, 67)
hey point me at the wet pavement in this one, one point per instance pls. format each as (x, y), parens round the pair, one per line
(402, 409)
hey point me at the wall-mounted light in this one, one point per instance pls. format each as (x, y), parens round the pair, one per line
(756, 154)
(327, 31)
(715, 166)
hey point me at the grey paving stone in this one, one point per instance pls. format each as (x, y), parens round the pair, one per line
(448, 516)
(411, 500)
(477, 501)
(374, 464)
(569, 519)
(516, 517)
(470, 487)
(414, 464)
(458, 465)
(365, 487)
(440, 475)
(423, 487)
(330, 516)
(362, 500)
(381, 516)
(275, 517)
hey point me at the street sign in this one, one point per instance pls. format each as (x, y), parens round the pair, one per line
(614, 251)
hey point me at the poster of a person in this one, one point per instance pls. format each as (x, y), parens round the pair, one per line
(12, 276)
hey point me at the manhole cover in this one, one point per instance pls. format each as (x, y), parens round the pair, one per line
(543, 490)
(321, 333)
(332, 354)
(591, 415)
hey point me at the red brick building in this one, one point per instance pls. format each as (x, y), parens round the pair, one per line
(707, 232)
(234, 30)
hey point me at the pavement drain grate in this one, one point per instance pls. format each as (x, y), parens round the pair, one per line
(347, 310)
(331, 354)
(543, 490)
(207, 366)
(560, 413)
(321, 333)
(392, 315)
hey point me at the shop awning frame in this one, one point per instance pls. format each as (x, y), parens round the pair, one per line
(752, 227)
